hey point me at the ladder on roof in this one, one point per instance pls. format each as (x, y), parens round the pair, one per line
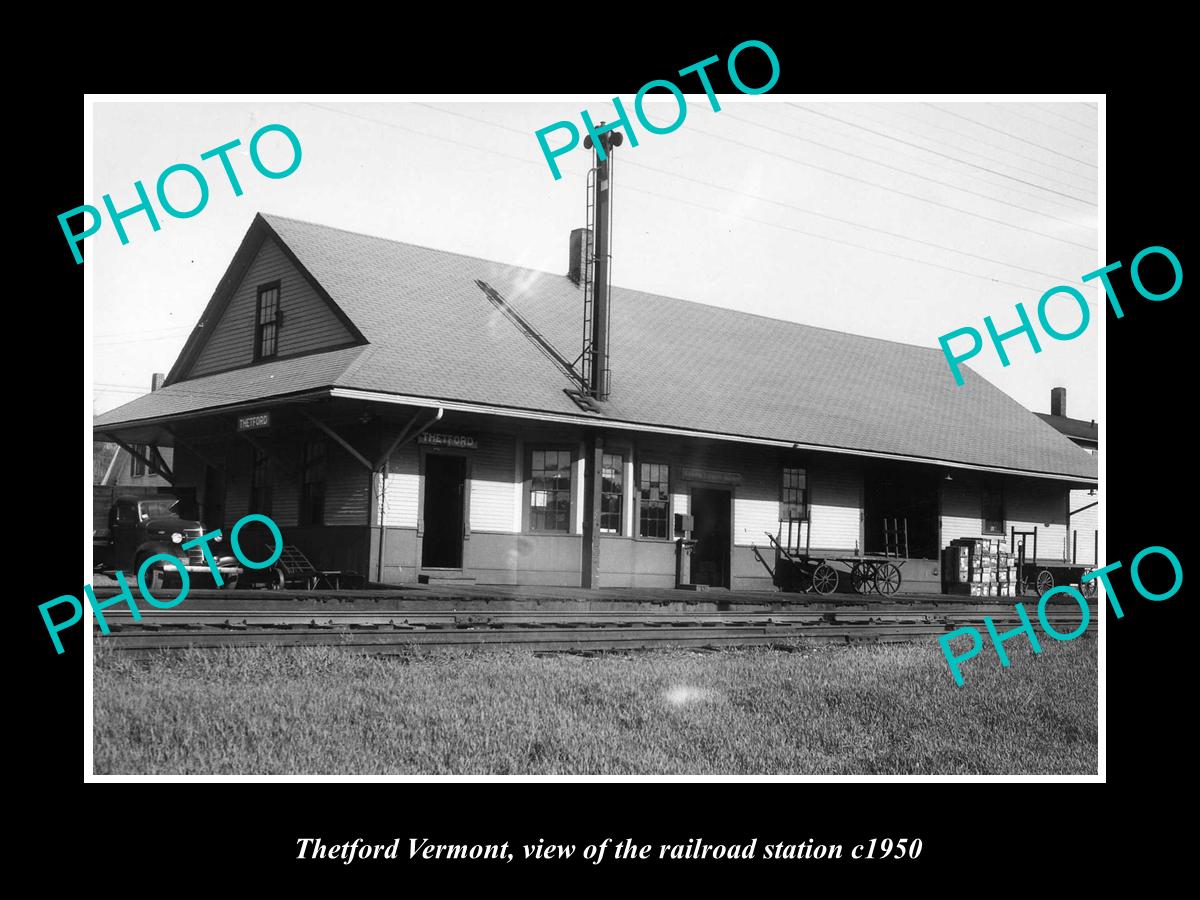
(587, 358)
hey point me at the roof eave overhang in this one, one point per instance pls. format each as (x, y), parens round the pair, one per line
(567, 418)
(114, 428)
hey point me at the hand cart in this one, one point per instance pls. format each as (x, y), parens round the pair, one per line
(1036, 576)
(867, 572)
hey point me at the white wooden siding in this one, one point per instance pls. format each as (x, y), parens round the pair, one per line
(834, 495)
(493, 476)
(403, 491)
(1086, 524)
(753, 518)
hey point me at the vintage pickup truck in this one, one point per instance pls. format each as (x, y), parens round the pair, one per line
(141, 527)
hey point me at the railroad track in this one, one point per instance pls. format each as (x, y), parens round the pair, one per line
(224, 624)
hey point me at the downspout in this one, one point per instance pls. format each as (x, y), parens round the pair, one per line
(384, 471)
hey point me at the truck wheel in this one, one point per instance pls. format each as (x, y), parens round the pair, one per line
(230, 583)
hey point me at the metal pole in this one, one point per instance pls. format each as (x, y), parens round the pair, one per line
(600, 288)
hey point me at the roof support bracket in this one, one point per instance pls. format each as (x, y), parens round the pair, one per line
(150, 462)
(341, 440)
(162, 463)
(406, 436)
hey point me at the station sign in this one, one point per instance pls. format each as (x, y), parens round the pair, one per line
(458, 441)
(254, 422)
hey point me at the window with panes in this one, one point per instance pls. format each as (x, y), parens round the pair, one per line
(654, 500)
(793, 495)
(266, 342)
(611, 492)
(550, 490)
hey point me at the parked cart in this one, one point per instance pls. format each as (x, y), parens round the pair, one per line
(866, 572)
(1037, 575)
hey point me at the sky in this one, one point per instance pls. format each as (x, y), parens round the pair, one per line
(902, 221)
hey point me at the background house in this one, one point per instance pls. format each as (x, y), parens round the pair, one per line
(1083, 521)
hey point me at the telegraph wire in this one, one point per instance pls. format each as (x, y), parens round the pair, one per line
(907, 172)
(1095, 114)
(1042, 122)
(162, 330)
(918, 197)
(174, 391)
(940, 166)
(944, 155)
(436, 137)
(761, 221)
(143, 340)
(723, 212)
(925, 122)
(951, 112)
(637, 165)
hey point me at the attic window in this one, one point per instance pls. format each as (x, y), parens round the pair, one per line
(267, 322)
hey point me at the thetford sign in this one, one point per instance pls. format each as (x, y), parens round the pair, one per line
(461, 441)
(711, 475)
(250, 423)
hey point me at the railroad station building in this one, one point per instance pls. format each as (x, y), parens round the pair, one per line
(405, 413)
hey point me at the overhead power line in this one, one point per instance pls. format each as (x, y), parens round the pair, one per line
(1004, 107)
(814, 235)
(957, 159)
(1074, 173)
(907, 172)
(628, 163)
(1008, 134)
(884, 187)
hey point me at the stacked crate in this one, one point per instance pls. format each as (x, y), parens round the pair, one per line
(979, 567)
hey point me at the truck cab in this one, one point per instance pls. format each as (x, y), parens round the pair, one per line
(141, 527)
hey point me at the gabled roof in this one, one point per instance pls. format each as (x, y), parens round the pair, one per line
(432, 333)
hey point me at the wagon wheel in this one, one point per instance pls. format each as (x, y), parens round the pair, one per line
(866, 576)
(1045, 581)
(1088, 588)
(859, 579)
(887, 579)
(825, 579)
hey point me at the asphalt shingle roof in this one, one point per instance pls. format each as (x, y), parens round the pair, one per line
(433, 333)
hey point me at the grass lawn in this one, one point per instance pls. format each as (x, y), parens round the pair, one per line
(869, 709)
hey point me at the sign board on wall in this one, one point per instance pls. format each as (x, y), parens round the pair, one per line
(712, 475)
(250, 423)
(459, 441)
